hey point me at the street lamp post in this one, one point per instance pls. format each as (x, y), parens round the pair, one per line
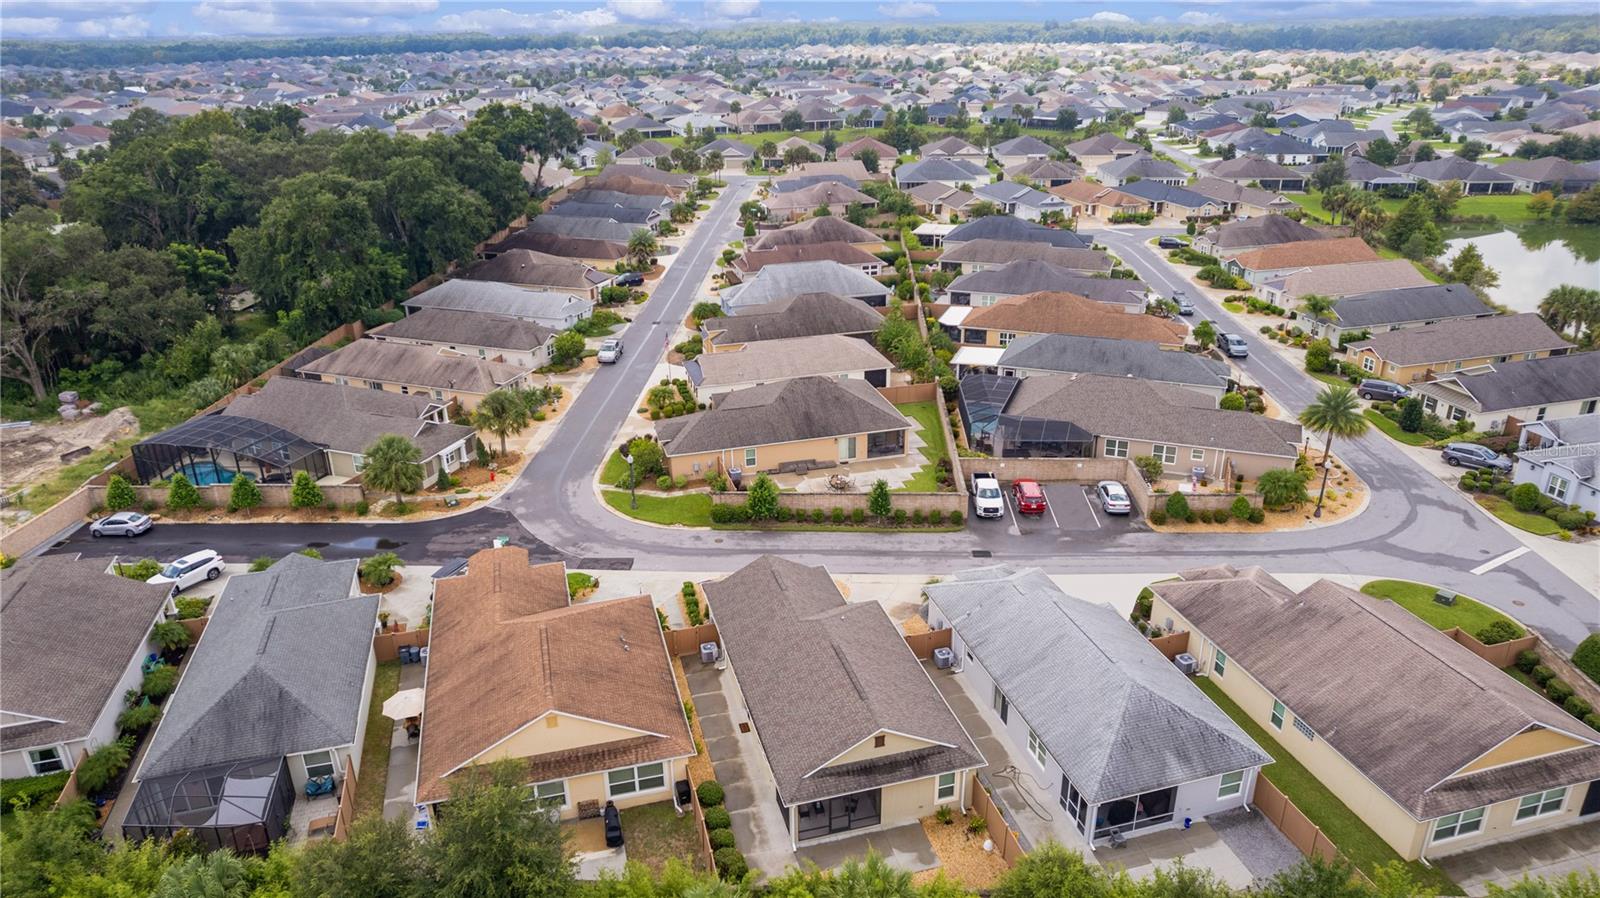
(1327, 468)
(633, 495)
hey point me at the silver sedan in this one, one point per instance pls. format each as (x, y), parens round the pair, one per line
(123, 523)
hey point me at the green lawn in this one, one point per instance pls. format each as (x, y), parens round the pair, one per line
(375, 742)
(1532, 522)
(614, 469)
(1392, 429)
(1417, 598)
(687, 509)
(1510, 208)
(1235, 307)
(926, 414)
(1422, 269)
(66, 481)
(1356, 841)
(657, 833)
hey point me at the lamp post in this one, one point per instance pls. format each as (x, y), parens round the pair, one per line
(1327, 468)
(633, 495)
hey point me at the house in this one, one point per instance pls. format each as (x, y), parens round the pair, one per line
(1258, 172)
(1259, 266)
(74, 636)
(949, 172)
(408, 369)
(1140, 167)
(551, 309)
(1040, 354)
(847, 254)
(938, 200)
(976, 255)
(1499, 395)
(1093, 152)
(1174, 202)
(802, 315)
(774, 282)
(586, 227)
(1363, 174)
(581, 696)
(1044, 173)
(1392, 308)
(849, 171)
(274, 694)
(1550, 173)
(632, 216)
(1048, 312)
(1117, 416)
(799, 204)
(988, 286)
(1015, 230)
(796, 424)
(582, 250)
(952, 148)
(1091, 200)
(1429, 745)
(1231, 238)
(1020, 150)
(1474, 178)
(538, 271)
(735, 154)
(855, 733)
(652, 153)
(1020, 200)
(343, 421)
(797, 143)
(1342, 280)
(1412, 354)
(499, 338)
(853, 150)
(646, 126)
(715, 374)
(1115, 733)
(1562, 457)
(827, 229)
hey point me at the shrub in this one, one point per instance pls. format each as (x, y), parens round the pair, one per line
(261, 563)
(1192, 517)
(182, 494)
(664, 482)
(838, 516)
(956, 518)
(858, 516)
(304, 493)
(1233, 402)
(1177, 506)
(1257, 516)
(169, 636)
(710, 794)
(818, 516)
(309, 552)
(143, 569)
(159, 683)
(1496, 632)
(1525, 497)
(717, 818)
(936, 517)
(1317, 355)
(138, 717)
(1587, 657)
(120, 494)
(717, 482)
(379, 569)
(1149, 466)
(362, 508)
(680, 481)
(762, 499)
(189, 609)
(1411, 415)
(1558, 689)
(1568, 519)
(785, 514)
(721, 838)
(1576, 706)
(1281, 487)
(917, 517)
(899, 517)
(32, 791)
(1541, 674)
(1158, 517)
(1468, 482)
(731, 865)
(1241, 508)
(878, 499)
(1528, 660)
(101, 766)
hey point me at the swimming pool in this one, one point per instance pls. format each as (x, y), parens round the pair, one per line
(206, 473)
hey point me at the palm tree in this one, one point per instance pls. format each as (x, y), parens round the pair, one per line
(1318, 307)
(1571, 307)
(501, 413)
(1335, 412)
(641, 248)
(393, 465)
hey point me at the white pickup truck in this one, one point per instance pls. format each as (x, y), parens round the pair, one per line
(987, 500)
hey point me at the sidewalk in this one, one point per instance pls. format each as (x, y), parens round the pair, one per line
(400, 786)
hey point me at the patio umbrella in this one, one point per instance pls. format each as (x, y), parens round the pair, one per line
(403, 704)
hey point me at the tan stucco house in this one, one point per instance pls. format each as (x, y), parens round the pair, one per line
(410, 369)
(1413, 354)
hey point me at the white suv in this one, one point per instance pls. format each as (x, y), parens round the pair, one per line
(205, 564)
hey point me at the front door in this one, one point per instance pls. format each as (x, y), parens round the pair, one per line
(1591, 800)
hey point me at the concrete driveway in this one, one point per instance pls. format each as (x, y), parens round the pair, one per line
(1554, 854)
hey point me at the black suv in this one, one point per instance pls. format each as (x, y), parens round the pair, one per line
(1381, 390)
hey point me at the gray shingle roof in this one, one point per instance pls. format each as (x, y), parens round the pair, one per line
(1032, 276)
(804, 408)
(587, 228)
(828, 229)
(775, 282)
(1383, 307)
(1582, 459)
(423, 366)
(1253, 168)
(1452, 168)
(775, 360)
(1070, 353)
(1027, 144)
(1011, 228)
(1117, 716)
(1533, 382)
(1144, 166)
(346, 419)
(68, 631)
(1469, 338)
(804, 315)
(820, 676)
(1265, 230)
(532, 269)
(990, 251)
(468, 329)
(954, 171)
(495, 298)
(1157, 192)
(280, 669)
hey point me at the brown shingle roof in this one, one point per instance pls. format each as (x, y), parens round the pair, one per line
(1469, 338)
(843, 253)
(1049, 312)
(828, 229)
(797, 316)
(534, 269)
(830, 193)
(506, 648)
(1002, 251)
(423, 366)
(1085, 193)
(1306, 254)
(803, 408)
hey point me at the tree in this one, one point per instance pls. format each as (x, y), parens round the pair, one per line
(829, 143)
(33, 314)
(642, 248)
(1411, 415)
(1382, 152)
(1318, 307)
(305, 493)
(1571, 308)
(762, 499)
(1205, 333)
(1541, 204)
(792, 121)
(379, 859)
(1335, 412)
(1585, 207)
(869, 159)
(649, 461)
(120, 493)
(494, 843)
(1424, 153)
(879, 501)
(181, 494)
(393, 465)
(243, 494)
(566, 349)
(1281, 487)
(1317, 356)
(1469, 268)
(1329, 173)
(545, 132)
(219, 873)
(1175, 114)
(1471, 150)
(502, 414)
(1413, 232)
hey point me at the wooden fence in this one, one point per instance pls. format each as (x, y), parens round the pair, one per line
(1173, 644)
(928, 392)
(69, 792)
(687, 641)
(1292, 822)
(386, 646)
(1000, 832)
(923, 644)
(706, 851)
(1502, 654)
(346, 814)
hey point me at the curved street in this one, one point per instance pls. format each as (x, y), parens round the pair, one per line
(1415, 526)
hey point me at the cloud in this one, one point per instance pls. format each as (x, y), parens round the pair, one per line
(309, 16)
(115, 27)
(1194, 17)
(732, 9)
(1108, 16)
(550, 20)
(642, 10)
(32, 26)
(908, 10)
(92, 20)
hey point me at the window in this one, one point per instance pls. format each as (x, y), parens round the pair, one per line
(1529, 356)
(1219, 663)
(1036, 747)
(749, 458)
(438, 395)
(1368, 364)
(482, 354)
(644, 778)
(1430, 404)
(1556, 487)
(1305, 729)
(374, 385)
(551, 795)
(319, 763)
(1197, 455)
(946, 788)
(1072, 800)
(1167, 454)
(1463, 824)
(1231, 784)
(360, 462)
(1539, 415)
(1541, 803)
(1006, 337)
(880, 741)
(1116, 448)
(1589, 407)
(46, 760)
(1277, 715)
(1457, 414)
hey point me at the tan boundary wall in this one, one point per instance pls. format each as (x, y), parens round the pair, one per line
(1173, 644)
(1005, 840)
(273, 495)
(1292, 822)
(807, 502)
(42, 527)
(1502, 654)
(386, 646)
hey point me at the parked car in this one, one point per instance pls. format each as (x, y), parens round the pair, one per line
(1029, 496)
(123, 523)
(1113, 498)
(987, 501)
(628, 279)
(610, 351)
(205, 564)
(1471, 455)
(1185, 307)
(1171, 243)
(1372, 390)
(1233, 346)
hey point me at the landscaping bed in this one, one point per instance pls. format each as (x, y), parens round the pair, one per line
(1534, 523)
(934, 476)
(962, 859)
(1541, 678)
(1470, 615)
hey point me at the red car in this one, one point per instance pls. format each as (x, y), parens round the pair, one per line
(1029, 496)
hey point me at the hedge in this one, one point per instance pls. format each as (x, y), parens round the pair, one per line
(710, 793)
(731, 864)
(32, 790)
(721, 838)
(1587, 657)
(718, 818)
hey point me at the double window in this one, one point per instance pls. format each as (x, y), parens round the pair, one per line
(319, 763)
(1006, 337)
(46, 760)
(1278, 710)
(1231, 784)
(1368, 364)
(1556, 487)
(1116, 448)
(1453, 826)
(1036, 747)
(1219, 663)
(1167, 454)
(946, 788)
(628, 780)
(1541, 803)
(552, 794)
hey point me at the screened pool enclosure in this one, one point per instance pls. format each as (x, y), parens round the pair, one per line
(218, 448)
(989, 429)
(242, 806)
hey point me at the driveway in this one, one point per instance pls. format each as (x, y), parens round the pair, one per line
(1552, 855)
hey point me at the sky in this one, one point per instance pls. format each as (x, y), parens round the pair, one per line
(115, 19)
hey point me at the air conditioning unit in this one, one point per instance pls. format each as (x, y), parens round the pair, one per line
(709, 653)
(1186, 663)
(943, 658)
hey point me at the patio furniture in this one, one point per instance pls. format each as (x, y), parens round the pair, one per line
(319, 785)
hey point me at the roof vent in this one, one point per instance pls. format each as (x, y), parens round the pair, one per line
(624, 640)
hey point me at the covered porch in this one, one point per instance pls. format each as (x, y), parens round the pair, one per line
(819, 819)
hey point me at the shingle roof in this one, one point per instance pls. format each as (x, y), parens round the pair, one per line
(828, 229)
(527, 268)
(558, 245)
(1117, 358)
(1117, 716)
(1408, 706)
(1015, 230)
(467, 328)
(507, 647)
(804, 315)
(280, 669)
(68, 631)
(1265, 230)
(1533, 382)
(830, 193)
(776, 282)
(500, 299)
(1044, 170)
(1157, 192)
(346, 419)
(1253, 168)
(1423, 303)
(1307, 254)
(1102, 145)
(1033, 276)
(585, 228)
(1452, 168)
(951, 170)
(948, 146)
(1350, 277)
(423, 366)
(820, 676)
(1026, 145)
(1050, 312)
(1144, 166)
(803, 408)
(1550, 168)
(843, 253)
(775, 360)
(1470, 338)
(987, 250)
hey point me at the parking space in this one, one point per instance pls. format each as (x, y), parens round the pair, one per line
(1071, 509)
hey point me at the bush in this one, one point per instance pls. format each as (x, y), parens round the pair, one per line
(838, 516)
(1528, 660)
(721, 838)
(143, 569)
(1281, 487)
(710, 794)
(261, 563)
(1317, 356)
(1525, 497)
(879, 501)
(101, 766)
(1541, 675)
(159, 683)
(120, 493)
(1496, 632)
(785, 514)
(1558, 690)
(1411, 416)
(762, 499)
(936, 517)
(1158, 517)
(189, 609)
(900, 517)
(1587, 657)
(664, 482)
(32, 791)
(818, 516)
(181, 494)
(1568, 519)
(1593, 720)
(1241, 509)
(305, 493)
(1232, 402)
(917, 517)
(858, 516)
(955, 518)
(1576, 706)
(1257, 516)
(717, 818)
(138, 717)
(379, 569)
(717, 482)
(731, 865)
(1177, 506)
(1149, 466)
(361, 508)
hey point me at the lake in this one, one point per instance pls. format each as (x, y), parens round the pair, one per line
(1533, 259)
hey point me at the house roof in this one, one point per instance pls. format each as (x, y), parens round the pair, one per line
(507, 647)
(282, 668)
(804, 315)
(1102, 145)
(1045, 170)
(1053, 312)
(829, 193)
(1402, 304)
(801, 408)
(585, 227)
(1409, 707)
(820, 676)
(346, 419)
(1026, 145)
(1549, 168)
(949, 146)
(827, 229)
(1087, 192)
(1576, 429)
(1015, 230)
(68, 631)
(1470, 338)
(467, 328)
(425, 366)
(1306, 254)
(775, 360)
(561, 246)
(941, 169)
(1452, 168)
(843, 253)
(1144, 166)
(527, 268)
(1351, 277)
(1128, 408)
(1543, 381)
(774, 282)
(1117, 358)
(1117, 716)
(1033, 276)
(494, 298)
(1157, 192)
(1264, 230)
(884, 151)
(991, 251)
(1253, 168)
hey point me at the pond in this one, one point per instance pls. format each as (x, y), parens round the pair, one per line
(1534, 259)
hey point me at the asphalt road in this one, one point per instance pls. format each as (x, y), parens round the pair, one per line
(1415, 527)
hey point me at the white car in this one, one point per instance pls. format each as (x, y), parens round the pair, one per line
(123, 523)
(610, 352)
(1113, 498)
(193, 568)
